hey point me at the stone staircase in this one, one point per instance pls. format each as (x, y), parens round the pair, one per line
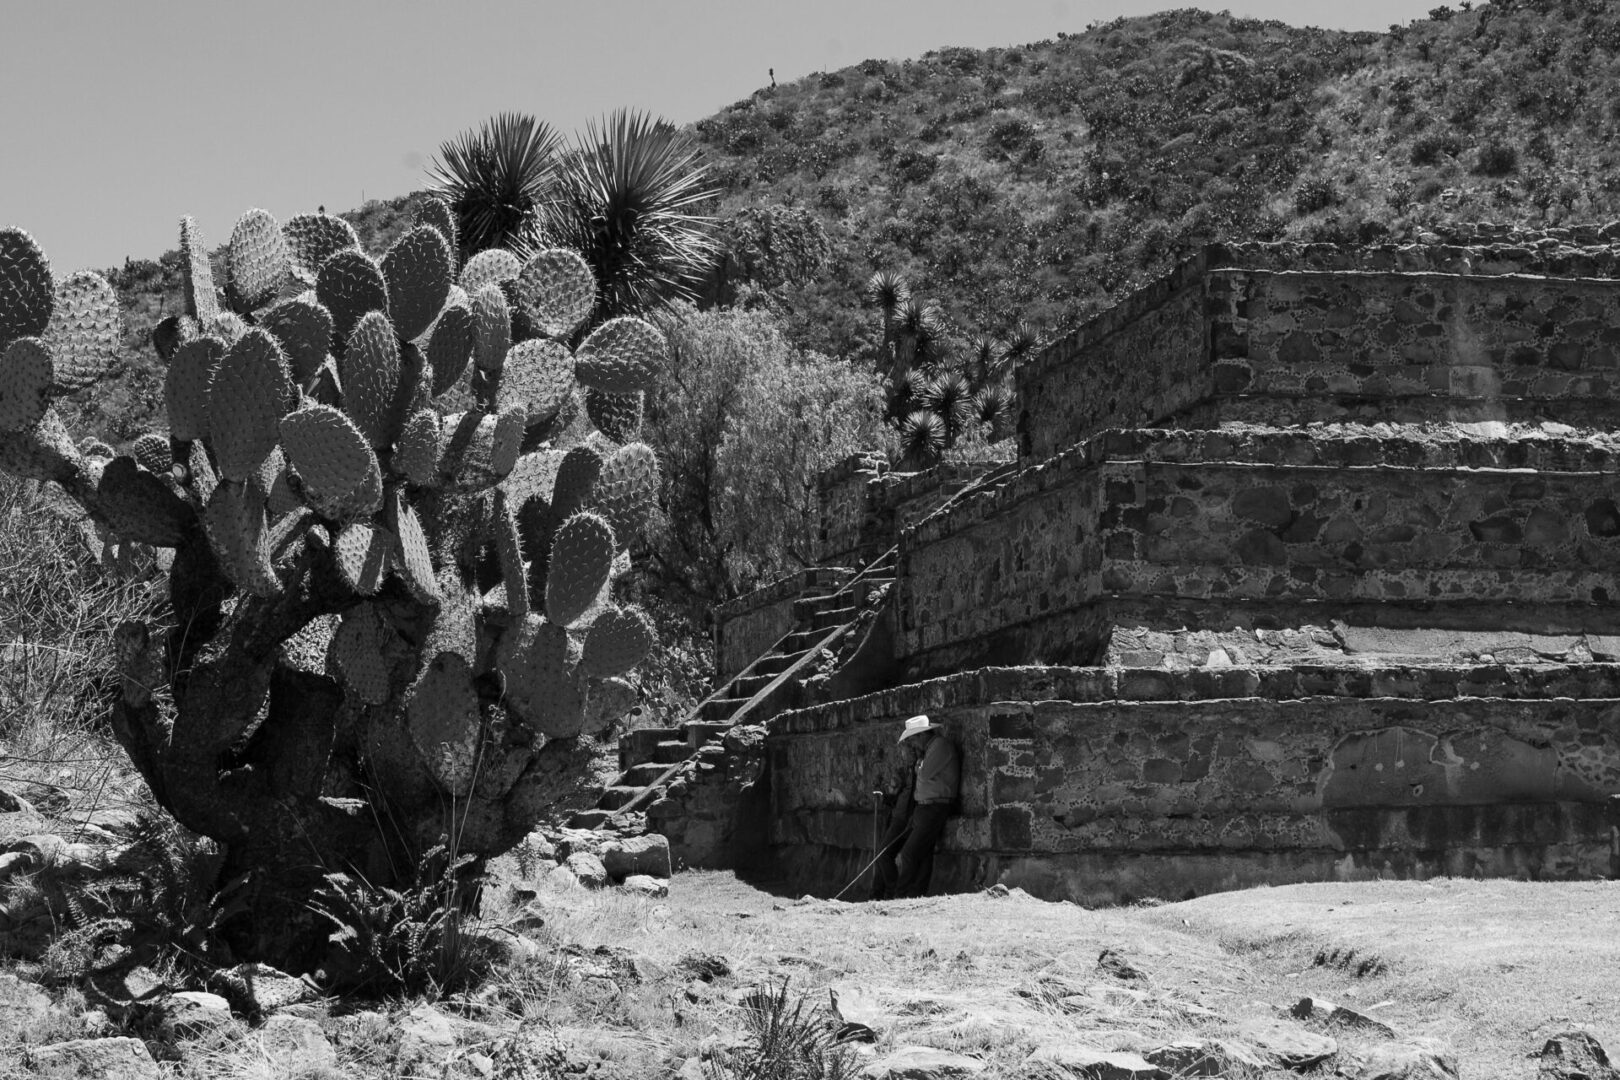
(650, 757)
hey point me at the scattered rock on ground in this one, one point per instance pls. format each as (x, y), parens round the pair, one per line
(255, 989)
(705, 966)
(997, 891)
(1287, 1046)
(1115, 963)
(104, 1059)
(1215, 1057)
(645, 885)
(647, 855)
(1088, 1063)
(560, 877)
(1414, 1059)
(22, 1004)
(922, 1063)
(587, 869)
(1327, 1012)
(426, 1032)
(1574, 1055)
(298, 1046)
(192, 1014)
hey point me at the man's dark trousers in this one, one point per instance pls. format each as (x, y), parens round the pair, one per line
(917, 856)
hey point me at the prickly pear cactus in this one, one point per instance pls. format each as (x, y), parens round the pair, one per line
(392, 619)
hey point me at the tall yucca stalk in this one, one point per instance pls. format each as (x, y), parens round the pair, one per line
(628, 199)
(497, 179)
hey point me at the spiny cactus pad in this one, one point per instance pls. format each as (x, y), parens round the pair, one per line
(369, 369)
(42, 452)
(151, 451)
(358, 651)
(617, 641)
(26, 295)
(412, 559)
(493, 317)
(507, 442)
(618, 416)
(538, 662)
(581, 561)
(197, 274)
(203, 478)
(489, 267)
(303, 326)
(625, 489)
(576, 480)
(258, 258)
(362, 553)
(557, 290)
(435, 212)
(140, 507)
(622, 356)
(84, 330)
(185, 386)
(314, 238)
(455, 335)
(539, 376)
(416, 454)
(339, 472)
(246, 401)
(509, 547)
(26, 371)
(417, 270)
(443, 718)
(350, 284)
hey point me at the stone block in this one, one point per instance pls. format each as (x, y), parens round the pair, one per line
(106, 1059)
(648, 854)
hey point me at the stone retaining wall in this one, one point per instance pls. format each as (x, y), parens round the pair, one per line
(1101, 786)
(749, 625)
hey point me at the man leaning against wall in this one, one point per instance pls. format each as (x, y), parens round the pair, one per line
(935, 793)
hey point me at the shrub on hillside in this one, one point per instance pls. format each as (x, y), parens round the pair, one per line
(1496, 158)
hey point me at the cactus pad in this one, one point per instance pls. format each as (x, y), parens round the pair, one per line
(246, 401)
(359, 653)
(539, 376)
(412, 559)
(171, 333)
(509, 547)
(445, 723)
(339, 472)
(617, 641)
(361, 551)
(151, 451)
(557, 290)
(626, 488)
(369, 369)
(416, 455)
(489, 267)
(350, 284)
(435, 212)
(467, 448)
(618, 416)
(538, 663)
(622, 356)
(304, 329)
(507, 442)
(203, 478)
(314, 238)
(185, 386)
(581, 562)
(197, 275)
(84, 330)
(42, 452)
(575, 486)
(140, 507)
(26, 294)
(253, 539)
(258, 258)
(26, 372)
(493, 318)
(417, 270)
(455, 335)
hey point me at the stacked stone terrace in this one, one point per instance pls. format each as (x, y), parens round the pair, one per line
(1309, 570)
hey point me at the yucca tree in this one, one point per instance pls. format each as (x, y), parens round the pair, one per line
(629, 198)
(497, 178)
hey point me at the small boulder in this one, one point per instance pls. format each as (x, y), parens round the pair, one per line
(642, 884)
(1414, 1059)
(1214, 1057)
(587, 869)
(922, 1063)
(1574, 1055)
(297, 1045)
(563, 879)
(22, 1004)
(191, 1014)
(1089, 1063)
(1116, 964)
(1287, 1046)
(704, 966)
(648, 855)
(104, 1059)
(256, 989)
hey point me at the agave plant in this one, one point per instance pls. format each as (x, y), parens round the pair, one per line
(628, 199)
(949, 397)
(922, 436)
(497, 178)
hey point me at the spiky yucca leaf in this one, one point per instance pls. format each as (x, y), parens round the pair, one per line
(496, 178)
(922, 435)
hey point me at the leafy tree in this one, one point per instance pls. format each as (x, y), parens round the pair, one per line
(743, 424)
(497, 178)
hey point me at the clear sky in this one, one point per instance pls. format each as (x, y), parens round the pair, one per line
(118, 117)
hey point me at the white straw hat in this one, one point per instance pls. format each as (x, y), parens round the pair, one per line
(916, 726)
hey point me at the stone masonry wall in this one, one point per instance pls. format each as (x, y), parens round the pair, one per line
(1290, 334)
(852, 531)
(1088, 784)
(752, 623)
(1142, 528)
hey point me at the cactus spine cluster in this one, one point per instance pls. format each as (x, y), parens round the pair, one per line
(381, 601)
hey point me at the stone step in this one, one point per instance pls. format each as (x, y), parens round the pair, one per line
(669, 752)
(718, 711)
(807, 607)
(700, 733)
(590, 819)
(616, 796)
(749, 685)
(639, 745)
(776, 663)
(645, 773)
(828, 618)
